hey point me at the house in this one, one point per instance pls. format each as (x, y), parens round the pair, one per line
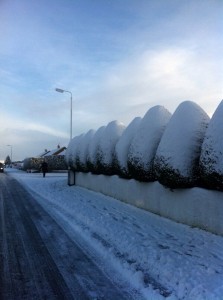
(54, 158)
(58, 151)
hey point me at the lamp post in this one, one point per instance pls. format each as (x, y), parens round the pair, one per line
(11, 152)
(63, 91)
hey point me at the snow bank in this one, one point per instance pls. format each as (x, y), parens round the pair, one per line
(106, 148)
(122, 147)
(211, 160)
(177, 158)
(145, 142)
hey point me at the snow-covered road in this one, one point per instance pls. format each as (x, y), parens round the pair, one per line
(153, 256)
(38, 260)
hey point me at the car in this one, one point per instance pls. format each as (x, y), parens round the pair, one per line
(1, 167)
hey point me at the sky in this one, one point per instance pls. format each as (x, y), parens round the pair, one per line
(118, 58)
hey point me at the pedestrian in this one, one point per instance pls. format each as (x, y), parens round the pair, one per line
(44, 168)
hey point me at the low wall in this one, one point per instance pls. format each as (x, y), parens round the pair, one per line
(195, 207)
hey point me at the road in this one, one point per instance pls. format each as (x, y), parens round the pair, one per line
(38, 260)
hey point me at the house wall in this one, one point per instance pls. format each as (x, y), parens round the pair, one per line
(195, 207)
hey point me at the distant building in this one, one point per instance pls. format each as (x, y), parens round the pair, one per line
(58, 151)
(55, 159)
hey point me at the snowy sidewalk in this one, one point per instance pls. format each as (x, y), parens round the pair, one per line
(161, 259)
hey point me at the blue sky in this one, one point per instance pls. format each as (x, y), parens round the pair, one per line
(119, 58)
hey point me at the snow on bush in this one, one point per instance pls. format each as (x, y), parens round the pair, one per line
(82, 151)
(32, 163)
(211, 159)
(106, 147)
(72, 152)
(145, 142)
(69, 152)
(177, 158)
(56, 162)
(122, 147)
(93, 148)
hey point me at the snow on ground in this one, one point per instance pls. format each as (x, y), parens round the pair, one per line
(160, 258)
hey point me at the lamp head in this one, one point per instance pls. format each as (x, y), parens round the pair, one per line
(59, 90)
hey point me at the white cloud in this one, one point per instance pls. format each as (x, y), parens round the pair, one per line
(27, 138)
(166, 76)
(8, 123)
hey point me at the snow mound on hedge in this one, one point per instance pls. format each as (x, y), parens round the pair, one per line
(83, 150)
(211, 160)
(75, 151)
(71, 152)
(106, 147)
(177, 157)
(122, 146)
(68, 155)
(145, 142)
(93, 149)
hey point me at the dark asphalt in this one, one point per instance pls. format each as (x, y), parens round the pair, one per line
(38, 260)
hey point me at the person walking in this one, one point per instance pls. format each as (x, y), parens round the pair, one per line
(44, 168)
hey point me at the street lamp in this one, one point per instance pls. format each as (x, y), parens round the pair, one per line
(11, 152)
(63, 91)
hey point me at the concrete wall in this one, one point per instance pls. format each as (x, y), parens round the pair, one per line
(195, 207)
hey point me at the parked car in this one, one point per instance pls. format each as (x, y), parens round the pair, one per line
(1, 167)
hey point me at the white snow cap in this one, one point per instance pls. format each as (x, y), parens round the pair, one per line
(147, 137)
(94, 144)
(180, 145)
(74, 145)
(122, 146)
(108, 140)
(69, 151)
(212, 148)
(83, 147)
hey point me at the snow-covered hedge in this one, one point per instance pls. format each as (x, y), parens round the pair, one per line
(122, 147)
(72, 152)
(145, 142)
(55, 162)
(93, 149)
(170, 149)
(105, 155)
(211, 160)
(32, 163)
(177, 158)
(83, 150)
